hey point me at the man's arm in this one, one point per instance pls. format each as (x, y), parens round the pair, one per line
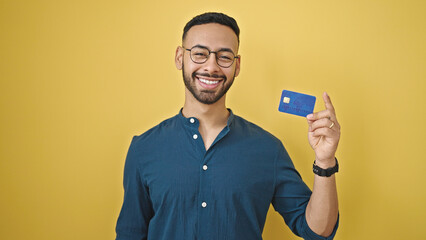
(322, 209)
(136, 212)
(324, 135)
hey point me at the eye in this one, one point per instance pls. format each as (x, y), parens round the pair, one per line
(199, 54)
(224, 57)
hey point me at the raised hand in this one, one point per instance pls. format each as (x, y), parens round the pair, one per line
(324, 134)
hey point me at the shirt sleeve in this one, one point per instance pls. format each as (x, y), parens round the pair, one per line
(291, 197)
(136, 212)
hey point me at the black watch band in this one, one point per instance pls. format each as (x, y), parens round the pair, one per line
(326, 172)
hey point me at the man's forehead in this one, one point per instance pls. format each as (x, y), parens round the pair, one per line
(211, 35)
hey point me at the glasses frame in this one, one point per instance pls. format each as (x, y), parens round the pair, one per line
(210, 52)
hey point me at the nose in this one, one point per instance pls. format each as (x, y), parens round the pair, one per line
(211, 65)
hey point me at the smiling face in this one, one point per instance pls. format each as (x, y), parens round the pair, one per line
(208, 82)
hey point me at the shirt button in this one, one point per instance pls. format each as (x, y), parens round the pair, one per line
(204, 204)
(205, 167)
(195, 136)
(191, 120)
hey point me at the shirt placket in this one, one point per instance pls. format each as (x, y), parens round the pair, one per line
(204, 181)
(205, 201)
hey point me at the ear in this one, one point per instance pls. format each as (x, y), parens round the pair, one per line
(237, 65)
(179, 57)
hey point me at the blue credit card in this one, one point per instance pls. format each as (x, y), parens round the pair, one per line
(296, 103)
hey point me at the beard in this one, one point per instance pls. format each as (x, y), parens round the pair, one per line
(206, 96)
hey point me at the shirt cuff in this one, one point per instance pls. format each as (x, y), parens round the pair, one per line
(309, 234)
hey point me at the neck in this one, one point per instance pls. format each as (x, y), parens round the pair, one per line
(209, 115)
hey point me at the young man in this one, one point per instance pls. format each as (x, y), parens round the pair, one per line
(209, 174)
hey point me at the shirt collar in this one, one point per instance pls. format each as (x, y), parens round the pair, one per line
(192, 121)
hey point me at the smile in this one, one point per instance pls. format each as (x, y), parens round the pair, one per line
(207, 81)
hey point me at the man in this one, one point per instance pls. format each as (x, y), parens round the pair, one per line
(209, 174)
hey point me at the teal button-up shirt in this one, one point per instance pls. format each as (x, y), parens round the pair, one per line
(175, 189)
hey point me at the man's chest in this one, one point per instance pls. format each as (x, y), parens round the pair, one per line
(190, 174)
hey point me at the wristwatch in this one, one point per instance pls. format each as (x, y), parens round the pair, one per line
(326, 172)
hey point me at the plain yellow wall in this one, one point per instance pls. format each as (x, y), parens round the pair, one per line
(80, 78)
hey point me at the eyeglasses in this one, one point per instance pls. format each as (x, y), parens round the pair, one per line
(224, 58)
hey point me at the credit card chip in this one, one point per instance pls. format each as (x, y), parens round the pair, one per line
(286, 100)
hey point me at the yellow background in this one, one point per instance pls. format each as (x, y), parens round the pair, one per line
(80, 78)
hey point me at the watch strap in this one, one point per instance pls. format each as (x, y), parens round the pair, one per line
(325, 172)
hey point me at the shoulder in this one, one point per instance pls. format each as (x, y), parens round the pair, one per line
(156, 134)
(255, 132)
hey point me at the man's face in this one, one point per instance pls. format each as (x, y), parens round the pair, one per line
(208, 82)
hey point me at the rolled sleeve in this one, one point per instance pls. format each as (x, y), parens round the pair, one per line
(136, 211)
(291, 197)
(307, 233)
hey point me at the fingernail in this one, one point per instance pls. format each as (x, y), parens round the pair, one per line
(310, 116)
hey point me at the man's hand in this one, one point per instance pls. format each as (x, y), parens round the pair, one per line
(324, 134)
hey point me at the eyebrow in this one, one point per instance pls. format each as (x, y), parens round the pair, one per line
(220, 49)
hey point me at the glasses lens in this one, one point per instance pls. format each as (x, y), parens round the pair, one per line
(225, 58)
(199, 55)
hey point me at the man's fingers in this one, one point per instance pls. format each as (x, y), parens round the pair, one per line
(327, 101)
(329, 111)
(321, 123)
(322, 114)
(324, 131)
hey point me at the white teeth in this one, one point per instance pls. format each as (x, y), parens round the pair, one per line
(207, 81)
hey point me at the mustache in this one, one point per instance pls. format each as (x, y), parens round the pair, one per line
(209, 75)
